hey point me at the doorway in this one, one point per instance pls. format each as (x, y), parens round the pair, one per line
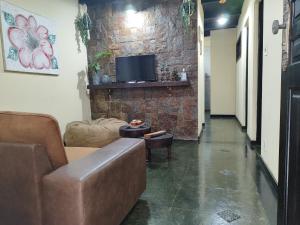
(260, 72)
(246, 83)
(207, 73)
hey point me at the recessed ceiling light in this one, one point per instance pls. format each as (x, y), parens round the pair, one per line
(222, 20)
(130, 10)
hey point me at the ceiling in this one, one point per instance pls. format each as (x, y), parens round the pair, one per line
(213, 10)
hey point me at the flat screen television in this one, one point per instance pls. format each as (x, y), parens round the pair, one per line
(136, 68)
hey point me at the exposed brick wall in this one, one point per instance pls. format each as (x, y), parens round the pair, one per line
(162, 34)
(285, 35)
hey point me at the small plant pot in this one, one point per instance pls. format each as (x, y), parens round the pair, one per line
(106, 79)
(97, 79)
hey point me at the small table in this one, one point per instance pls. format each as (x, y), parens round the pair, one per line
(127, 131)
(163, 141)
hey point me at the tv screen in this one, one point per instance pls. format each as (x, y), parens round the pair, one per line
(136, 68)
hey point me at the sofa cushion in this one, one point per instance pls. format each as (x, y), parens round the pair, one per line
(75, 153)
(97, 133)
(29, 128)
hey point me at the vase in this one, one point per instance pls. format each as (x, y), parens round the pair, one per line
(106, 79)
(97, 78)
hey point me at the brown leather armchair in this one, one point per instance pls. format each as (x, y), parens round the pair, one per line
(38, 186)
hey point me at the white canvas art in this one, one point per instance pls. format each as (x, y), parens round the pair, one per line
(29, 41)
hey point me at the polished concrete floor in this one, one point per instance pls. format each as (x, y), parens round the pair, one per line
(216, 182)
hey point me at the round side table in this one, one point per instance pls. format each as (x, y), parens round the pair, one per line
(127, 131)
(163, 141)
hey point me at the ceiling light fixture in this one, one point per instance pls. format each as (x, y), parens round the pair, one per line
(223, 20)
(134, 19)
(130, 10)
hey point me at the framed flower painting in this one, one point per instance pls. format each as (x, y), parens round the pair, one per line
(29, 41)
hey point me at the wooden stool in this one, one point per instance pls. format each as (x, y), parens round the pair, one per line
(162, 141)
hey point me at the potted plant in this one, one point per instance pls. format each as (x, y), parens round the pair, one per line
(83, 24)
(100, 61)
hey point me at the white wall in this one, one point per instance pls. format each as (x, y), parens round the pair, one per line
(271, 89)
(273, 9)
(223, 71)
(249, 18)
(201, 87)
(241, 80)
(62, 96)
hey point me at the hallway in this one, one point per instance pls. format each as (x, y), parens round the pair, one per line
(218, 182)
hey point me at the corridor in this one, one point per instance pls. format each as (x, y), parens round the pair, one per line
(217, 182)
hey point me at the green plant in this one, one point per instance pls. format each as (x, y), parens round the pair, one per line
(100, 60)
(187, 10)
(83, 24)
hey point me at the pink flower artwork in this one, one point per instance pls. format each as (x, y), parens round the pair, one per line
(31, 40)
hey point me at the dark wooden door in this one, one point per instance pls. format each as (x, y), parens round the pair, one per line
(289, 166)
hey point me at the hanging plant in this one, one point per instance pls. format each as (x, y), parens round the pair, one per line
(187, 10)
(83, 24)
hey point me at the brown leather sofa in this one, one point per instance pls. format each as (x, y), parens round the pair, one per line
(38, 186)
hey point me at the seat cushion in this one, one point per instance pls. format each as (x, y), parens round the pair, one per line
(97, 133)
(29, 128)
(75, 153)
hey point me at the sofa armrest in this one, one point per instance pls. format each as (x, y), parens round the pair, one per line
(98, 189)
(23, 167)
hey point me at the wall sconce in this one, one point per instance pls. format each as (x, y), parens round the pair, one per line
(134, 19)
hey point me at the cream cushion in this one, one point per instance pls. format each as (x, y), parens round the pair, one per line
(75, 153)
(97, 133)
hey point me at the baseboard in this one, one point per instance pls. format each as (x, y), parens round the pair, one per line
(221, 116)
(271, 180)
(243, 128)
(199, 136)
(253, 144)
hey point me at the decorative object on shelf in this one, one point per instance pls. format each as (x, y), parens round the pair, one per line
(106, 79)
(162, 72)
(187, 10)
(183, 75)
(98, 63)
(168, 74)
(83, 24)
(175, 75)
(165, 74)
(29, 41)
(97, 78)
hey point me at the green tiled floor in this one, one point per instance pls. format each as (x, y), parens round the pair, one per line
(202, 180)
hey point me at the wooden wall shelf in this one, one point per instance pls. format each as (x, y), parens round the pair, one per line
(141, 85)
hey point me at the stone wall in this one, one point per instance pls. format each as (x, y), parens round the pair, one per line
(285, 35)
(162, 34)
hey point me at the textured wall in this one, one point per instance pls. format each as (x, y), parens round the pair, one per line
(285, 35)
(161, 34)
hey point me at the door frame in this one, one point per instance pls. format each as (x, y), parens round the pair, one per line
(282, 214)
(260, 72)
(247, 75)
